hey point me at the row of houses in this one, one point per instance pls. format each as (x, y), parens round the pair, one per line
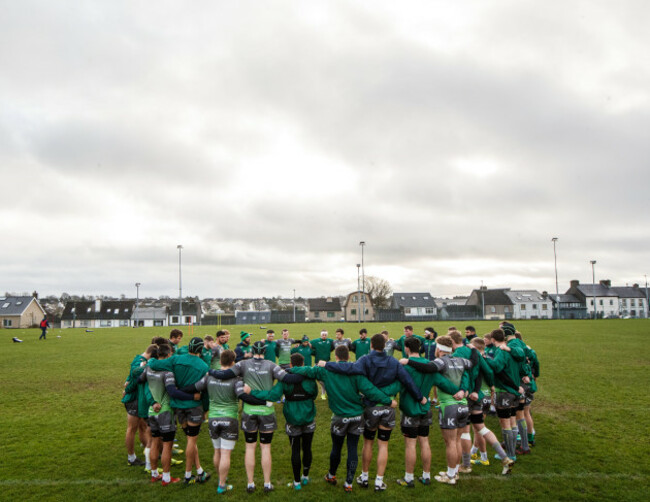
(580, 301)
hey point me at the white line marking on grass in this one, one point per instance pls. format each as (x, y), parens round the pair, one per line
(546, 475)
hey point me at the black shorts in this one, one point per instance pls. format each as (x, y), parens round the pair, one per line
(262, 423)
(342, 426)
(187, 415)
(162, 424)
(413, 427)
(132, 408)
(453, 416)
(379, 415)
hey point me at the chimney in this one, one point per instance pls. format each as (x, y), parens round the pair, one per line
(545, 294)
(483, 288)
(575, 283)
(635, 286)
(606, 283)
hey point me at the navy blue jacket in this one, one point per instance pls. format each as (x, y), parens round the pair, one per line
(381, 370)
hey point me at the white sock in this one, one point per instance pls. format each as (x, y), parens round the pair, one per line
(167, 477)
(473, 450)
(131, 457)
(456, 470)
(250, 485)
(450, 472)
(267, 485)
(146, 458)
(154, 473)
(408, 476)
(296, 484)
(364, 476)
(426, 475)
(188, 474)
(379, 480)
(484, 456)
(199, 470)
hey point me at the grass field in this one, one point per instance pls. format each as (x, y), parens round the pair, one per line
(62, 423)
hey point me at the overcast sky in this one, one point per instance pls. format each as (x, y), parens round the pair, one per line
(269, 138)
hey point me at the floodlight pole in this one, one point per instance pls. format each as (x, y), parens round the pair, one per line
(363, 280)
(358, 294)
(593, 281)
(294, 305)
(180, 287)
(647, 307)
(557, 289)
(137, 301)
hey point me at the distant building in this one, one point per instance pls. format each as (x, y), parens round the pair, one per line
(286, 316)
(570, 307)
(358, 307)
(192, 313)
(150, 317)
(611, 301)
(607, 300)
(97, 314)
(416, 306)
(252, 316)
(325, 309)
(20, 312)
(493, 303)
(530, 304)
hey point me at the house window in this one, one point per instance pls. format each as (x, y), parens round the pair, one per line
(5, 305)
(316, 314)
(330, 314)
(104, 323)
(407, 310)
(428, 310)
(366, 311)
(591, 302)
(353, 312)
(493, 310)
(125, 322)
(544, 306)
(174, 319)
(158, 323)
(188, 320)
(506, 310)
(523, 306)
(600, 302)
(534, 306)
(355, 299)
(6, 322)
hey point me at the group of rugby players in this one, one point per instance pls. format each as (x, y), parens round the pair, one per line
(204, 380)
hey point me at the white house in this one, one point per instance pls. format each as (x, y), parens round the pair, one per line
(530, 304)
(607, 299)
(416, 306)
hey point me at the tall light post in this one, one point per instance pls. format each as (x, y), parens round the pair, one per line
(294, 306)
(358, 294)
(557, 288)
(593, 281)
(647, 307)
(137, 301)
(482, 301)
(180, 287)
(363, 280)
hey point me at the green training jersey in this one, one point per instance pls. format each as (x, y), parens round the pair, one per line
(343, 390)
(270, 352)
(258, 374)
(187, 369)
(322, 349)
(156, 391)
(298, 408)
(503, 365)
(222, 394)
(135, 370)
(215, 361)
(423, 381)
(453, 369)
(399, 344)
(283, 350)
(360, 347)
(305, 351)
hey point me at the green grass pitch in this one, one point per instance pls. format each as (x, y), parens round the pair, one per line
(62, 424)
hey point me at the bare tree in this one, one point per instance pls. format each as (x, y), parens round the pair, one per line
(380, 291)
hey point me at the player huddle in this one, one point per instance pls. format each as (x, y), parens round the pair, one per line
(204, 381)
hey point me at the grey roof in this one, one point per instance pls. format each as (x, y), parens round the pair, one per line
(109, 309)
(15, 305)
(564, 298)
(525, 296)
(151, 313)
(411, 300)
(628, 292)
(493, 296)
(596, 290)
(324, 304)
